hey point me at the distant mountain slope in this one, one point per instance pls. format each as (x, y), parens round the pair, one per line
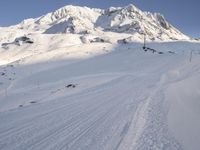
(84, 20)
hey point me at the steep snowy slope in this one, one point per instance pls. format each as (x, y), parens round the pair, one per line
(132, 20)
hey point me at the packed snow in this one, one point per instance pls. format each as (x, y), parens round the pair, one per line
(80, 79)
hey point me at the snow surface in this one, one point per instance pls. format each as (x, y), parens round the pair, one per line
(89, 91)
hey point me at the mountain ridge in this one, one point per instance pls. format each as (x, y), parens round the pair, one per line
(84, 20)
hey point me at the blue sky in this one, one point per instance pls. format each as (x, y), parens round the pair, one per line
(183, 14)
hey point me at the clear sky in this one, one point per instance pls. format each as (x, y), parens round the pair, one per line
(183, 14)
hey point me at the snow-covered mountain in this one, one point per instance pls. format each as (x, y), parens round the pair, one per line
(80, 79)
(83, 20)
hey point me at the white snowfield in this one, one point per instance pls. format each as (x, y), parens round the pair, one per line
(91, 92)
(123, 99)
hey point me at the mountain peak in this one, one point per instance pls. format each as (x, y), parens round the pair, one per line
(132, 8)
(66, 12)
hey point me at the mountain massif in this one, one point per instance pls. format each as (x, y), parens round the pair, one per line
(83, 20)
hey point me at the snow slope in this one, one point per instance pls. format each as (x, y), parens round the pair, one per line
(119, 101)
(98, 90)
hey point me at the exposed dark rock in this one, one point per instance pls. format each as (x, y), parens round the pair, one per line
(22, 40)
(2, 73)
(160, 53)
(70, 86)
(171, 52)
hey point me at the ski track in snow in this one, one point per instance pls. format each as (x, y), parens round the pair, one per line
(125, 112)
(99, 120)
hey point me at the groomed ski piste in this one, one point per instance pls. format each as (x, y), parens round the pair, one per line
(62, 94)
